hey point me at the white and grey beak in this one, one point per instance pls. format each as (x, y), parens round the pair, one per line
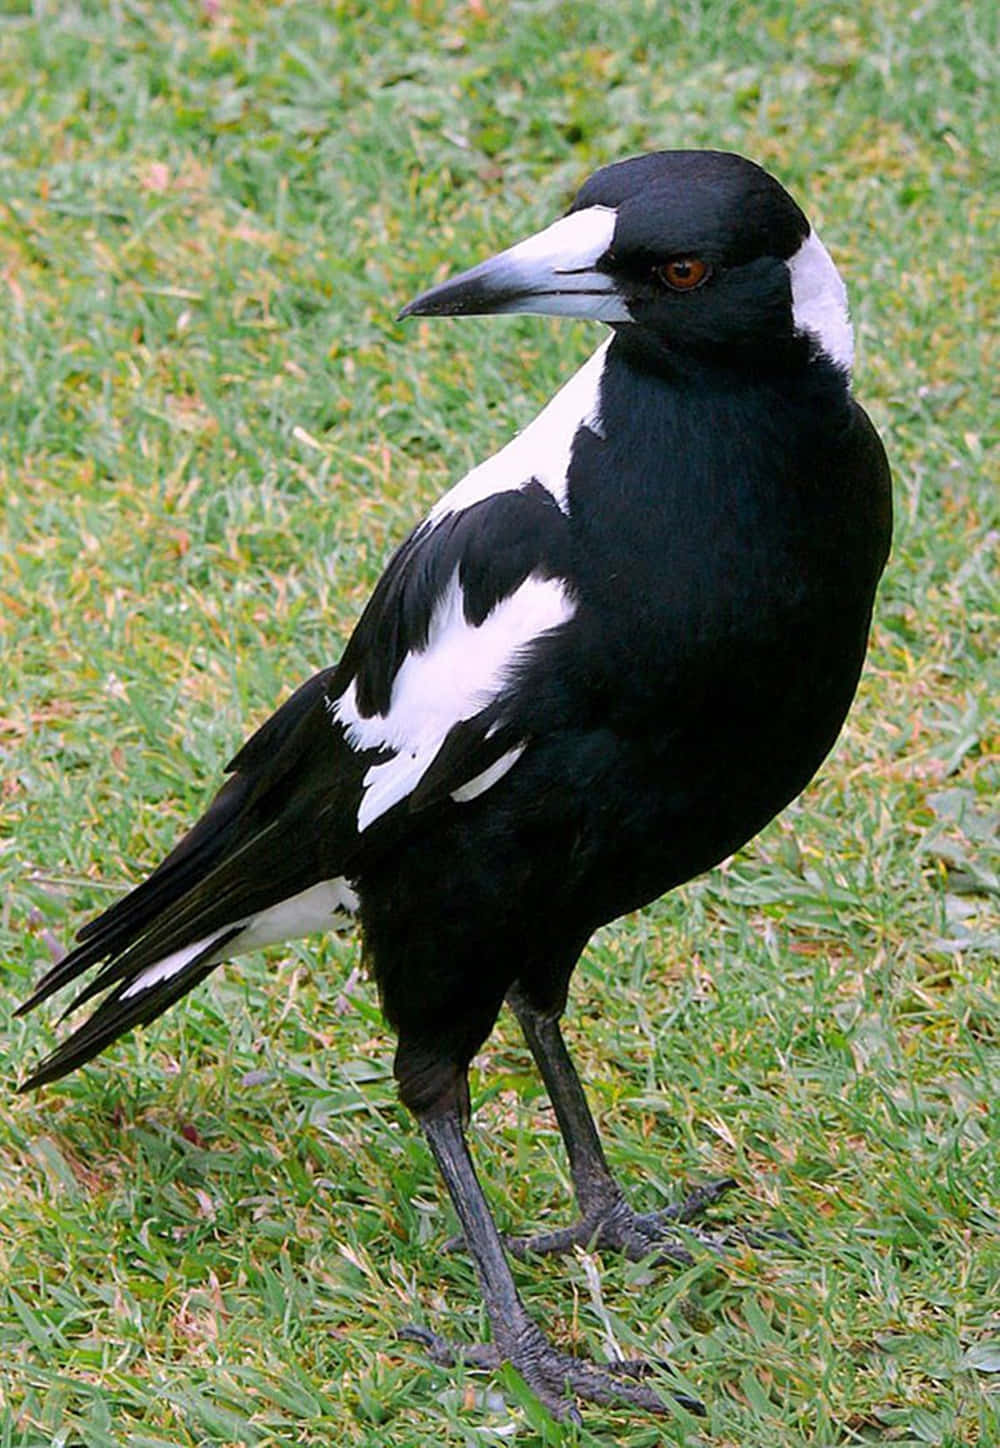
(553, 273)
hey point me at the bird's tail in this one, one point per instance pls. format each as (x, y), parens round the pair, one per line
(136, 1000)
(248, 874)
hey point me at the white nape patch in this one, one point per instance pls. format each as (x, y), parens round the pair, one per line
(302, 914)
(482, 782)
(542, 451)
(462, 669)
(170, 965)
(819, 301)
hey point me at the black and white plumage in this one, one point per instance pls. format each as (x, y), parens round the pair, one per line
(606, 658)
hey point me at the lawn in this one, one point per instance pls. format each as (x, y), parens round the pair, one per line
(212, 432)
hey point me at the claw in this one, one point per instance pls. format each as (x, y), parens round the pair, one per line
(697, 1201)
(613, 1226)
(555, 1377)
(662, 1235)
(447, 1354)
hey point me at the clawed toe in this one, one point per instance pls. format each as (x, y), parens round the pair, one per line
(665, 1236)
(614, 1226)
(556, 1377)
(694, 1205)
(447, 1354)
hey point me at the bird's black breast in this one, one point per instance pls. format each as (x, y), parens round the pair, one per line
(726, 540)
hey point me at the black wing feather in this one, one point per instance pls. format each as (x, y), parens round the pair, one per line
(116, 1015)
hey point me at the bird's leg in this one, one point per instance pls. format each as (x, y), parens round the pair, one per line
(555, 1377)
(606, 1219)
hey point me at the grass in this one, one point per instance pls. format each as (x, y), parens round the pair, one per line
(211, 433)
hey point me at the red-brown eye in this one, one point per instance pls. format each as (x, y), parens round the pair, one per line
(683, 273)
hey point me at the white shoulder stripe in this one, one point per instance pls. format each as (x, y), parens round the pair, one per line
(542, 451)
(462, 670)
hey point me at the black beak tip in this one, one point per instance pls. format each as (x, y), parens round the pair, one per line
(434, 302)
(442, 301)
(468, 295)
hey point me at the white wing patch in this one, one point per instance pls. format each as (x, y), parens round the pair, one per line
(461, 671)
(542, 451)
(819, 301)
(302, 914)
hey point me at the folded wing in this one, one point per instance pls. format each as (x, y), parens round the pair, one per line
(422, 712)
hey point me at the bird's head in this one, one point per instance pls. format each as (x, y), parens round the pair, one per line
(685, 252)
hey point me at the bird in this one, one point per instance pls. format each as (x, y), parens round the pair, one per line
(597, 667)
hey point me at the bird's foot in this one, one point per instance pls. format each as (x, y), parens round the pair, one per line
(556, 1378)
(612, 1225)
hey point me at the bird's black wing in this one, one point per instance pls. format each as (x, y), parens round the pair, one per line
(421, 711)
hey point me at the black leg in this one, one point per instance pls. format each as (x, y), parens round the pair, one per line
(595, 1187)
(554, 1376)
(606, 1219)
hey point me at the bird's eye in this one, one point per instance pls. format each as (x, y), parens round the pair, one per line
(683, 273)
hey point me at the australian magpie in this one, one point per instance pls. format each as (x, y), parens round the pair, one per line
(602, 662)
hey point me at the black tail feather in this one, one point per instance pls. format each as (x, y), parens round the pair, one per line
(109, 934)
(255, 846)
(118, 1013)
